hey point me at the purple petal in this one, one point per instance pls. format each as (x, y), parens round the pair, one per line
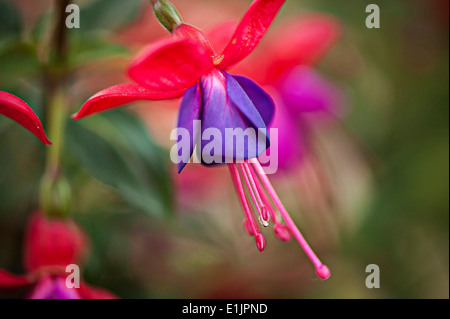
(260, 99)
(304, 90)
(189, 111)
(227, 108)
(243, 102)
(291, 143)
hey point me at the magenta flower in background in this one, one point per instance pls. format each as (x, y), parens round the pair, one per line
(305, 98)
(50, 246)
(16, 109)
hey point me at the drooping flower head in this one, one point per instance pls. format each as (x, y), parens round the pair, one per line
(16, 109)
(187, 65)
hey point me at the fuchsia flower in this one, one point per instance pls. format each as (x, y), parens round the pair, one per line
(16, 109)
(187, 65)
(50, 246)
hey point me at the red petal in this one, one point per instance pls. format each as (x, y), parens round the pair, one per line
(52, 242)
(90, 292)
(9, 281)
(170, 65)
(119, 95)
(186, 31)
(250, 30)
(16, 109)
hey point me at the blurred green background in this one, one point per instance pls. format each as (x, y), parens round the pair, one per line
(154, 237)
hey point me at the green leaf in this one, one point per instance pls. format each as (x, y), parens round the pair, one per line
(117, 150)
(17, 59)
(90, 48)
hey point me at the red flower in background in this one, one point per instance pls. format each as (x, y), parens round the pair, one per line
(16, 109)
(50, 246)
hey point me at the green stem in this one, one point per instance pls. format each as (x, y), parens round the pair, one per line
(55, 190)
(57, 117)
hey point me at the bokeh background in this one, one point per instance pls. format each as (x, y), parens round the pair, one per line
(156, 234)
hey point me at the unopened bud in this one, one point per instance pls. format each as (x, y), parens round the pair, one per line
(55, 196)
(166, 14)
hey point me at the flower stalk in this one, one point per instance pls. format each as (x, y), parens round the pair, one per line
(55, 191)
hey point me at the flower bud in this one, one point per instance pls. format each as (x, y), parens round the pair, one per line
(166, 14)
(55, 196)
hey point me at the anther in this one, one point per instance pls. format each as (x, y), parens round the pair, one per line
(260, 242)
(282, 232)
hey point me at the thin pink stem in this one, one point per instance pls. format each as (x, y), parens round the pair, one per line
(322, 271)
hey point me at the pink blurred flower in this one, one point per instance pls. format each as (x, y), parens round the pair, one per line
(50, 246)
(305, 99)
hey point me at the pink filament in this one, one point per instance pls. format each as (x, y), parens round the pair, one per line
(241, 193)
(261, 204)
(321, 270)
(266, 200)
(248, 227)
(280, 229)
(252, 188)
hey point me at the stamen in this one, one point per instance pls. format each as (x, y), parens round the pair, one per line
(321, 270)
(264, 213)
(281, 231)
(251, 190)
(248, 227)
(260, 242)
(265, 199)
(262, 221)
(263, 209)
(245, 205)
